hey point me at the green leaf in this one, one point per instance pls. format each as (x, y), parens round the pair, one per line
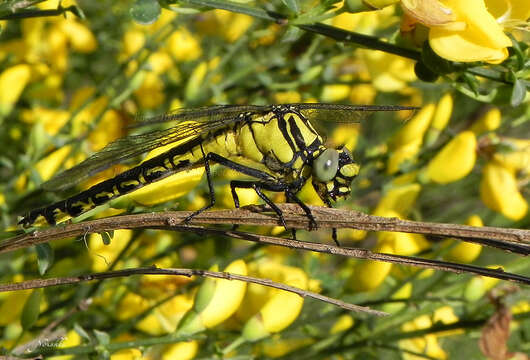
(435, 63)
(31, 310)
(107, 236)
(145, 12)
(518, 92)
(102, 337)
(44, 257)
(472, 82)
(424, 73)
(519, 54)
(293, 5)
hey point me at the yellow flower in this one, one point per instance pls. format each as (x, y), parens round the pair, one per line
(500, 192)
(276, 347)
(427, 344)
(368, 274)
(183, 46)
(102, 255)
(195, 80)
(407, 142)
(440, 119)
(271, 310)
(398, 200)
(109, 128)
(287, 97)
(343, 323)
(335, 92)
(463, 31)
(233, 25)
(490, 121)
(71, 338)
(215, 301)
(185, 350)
(133, 40)
(13, 80)
(455, 160)
(151, 93)
(363, 94)
(516, 160)
(389, 73)
(79, 35)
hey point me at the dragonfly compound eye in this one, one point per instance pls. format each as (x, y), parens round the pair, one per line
(325, 165)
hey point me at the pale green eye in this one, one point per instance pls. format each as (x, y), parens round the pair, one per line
(325, 166)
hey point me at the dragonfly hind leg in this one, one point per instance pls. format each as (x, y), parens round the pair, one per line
(257, 186)
(266, 183)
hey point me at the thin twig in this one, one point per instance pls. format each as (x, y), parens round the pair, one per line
(325, 218)
(514, 240)
(41, 283)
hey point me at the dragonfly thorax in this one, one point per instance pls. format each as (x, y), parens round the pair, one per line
(333, 172)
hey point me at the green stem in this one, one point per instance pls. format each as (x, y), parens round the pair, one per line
(367, 41)
(39, 13)
(370, 42)
(234, 345)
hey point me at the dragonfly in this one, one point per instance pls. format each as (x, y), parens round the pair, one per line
(280, 144)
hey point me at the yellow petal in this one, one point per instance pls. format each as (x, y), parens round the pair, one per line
(48, 166)
(80, 36)
(185, 350)
(151, 93)
(415, 127)
(335, 92)
(444, 108)
(183, 46)
(402, 154)
(499, 191)
(398, 200)
(428, 12)
(227, 297)
(455, 160)
(133, 40)
(482, 39)
(13, 80)
(465, 252)
(343, 323)
(102, 255)
(368, 274)
(517, 160)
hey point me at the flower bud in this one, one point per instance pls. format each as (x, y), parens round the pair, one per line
(455, 160)
(499, 191)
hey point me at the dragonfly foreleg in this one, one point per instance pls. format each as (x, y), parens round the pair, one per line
(333, 230)
(292, 197)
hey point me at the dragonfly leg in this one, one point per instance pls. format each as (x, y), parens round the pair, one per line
(210, 188)
(333, 230)
(216, 158)
(258, 186)
(312, 222)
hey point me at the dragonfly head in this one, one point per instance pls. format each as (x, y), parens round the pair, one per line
(333, 172)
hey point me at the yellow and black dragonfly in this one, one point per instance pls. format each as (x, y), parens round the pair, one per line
(280, 142)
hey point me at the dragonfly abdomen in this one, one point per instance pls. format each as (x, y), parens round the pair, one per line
(146, 173)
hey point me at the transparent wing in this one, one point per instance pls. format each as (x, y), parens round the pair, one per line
(190, 124)
(337, 113)
(194, 122)
(202, 114)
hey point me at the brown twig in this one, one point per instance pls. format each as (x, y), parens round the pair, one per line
(41, 283)
(514, 240)
(173, 221)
